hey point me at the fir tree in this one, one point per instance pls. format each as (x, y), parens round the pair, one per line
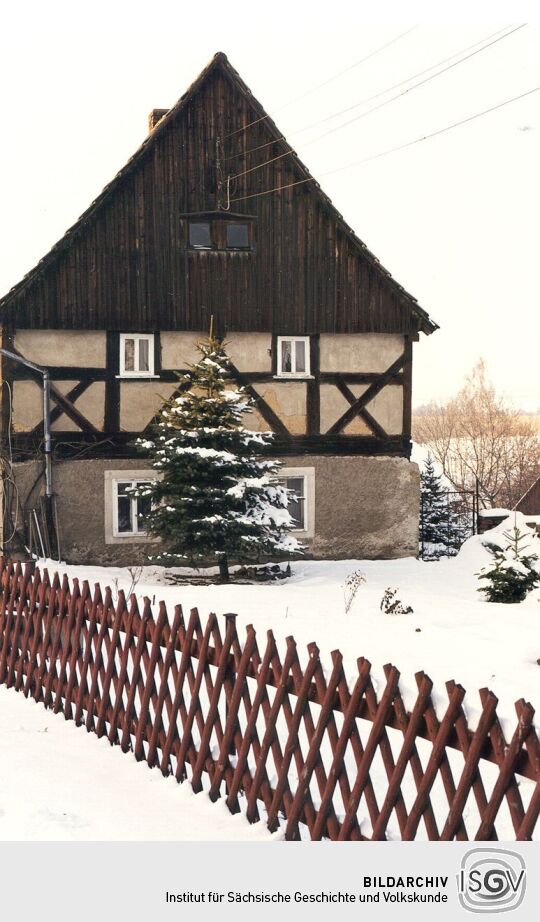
(443, 525)
(434, 506)
(218, 497)
(513, 573)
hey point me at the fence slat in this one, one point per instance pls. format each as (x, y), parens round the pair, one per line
(253, 786)
(164, 693)
(506, 778)
(436, 759)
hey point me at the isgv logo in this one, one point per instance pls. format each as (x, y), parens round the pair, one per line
(491, 880)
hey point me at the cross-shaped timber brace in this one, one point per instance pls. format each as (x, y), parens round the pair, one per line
(358, 407)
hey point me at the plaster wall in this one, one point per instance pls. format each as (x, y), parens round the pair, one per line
(81, 348)
(365, 507)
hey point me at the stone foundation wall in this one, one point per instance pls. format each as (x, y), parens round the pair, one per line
(365, 507)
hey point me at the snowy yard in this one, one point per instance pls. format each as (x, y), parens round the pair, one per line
(452, 634)
(58, 782)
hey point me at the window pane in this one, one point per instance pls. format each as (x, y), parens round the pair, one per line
(296, 502)
(286, 360)
(124, 513)
(144, 506)
(144, 355)
(300, 355)
(199, 234)
(123, 488)
(237, 236)
(129, 355)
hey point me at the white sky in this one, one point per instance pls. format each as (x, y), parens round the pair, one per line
(455, 219)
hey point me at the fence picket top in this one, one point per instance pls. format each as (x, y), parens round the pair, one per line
(532, 741)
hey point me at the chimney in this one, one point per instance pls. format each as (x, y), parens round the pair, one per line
(155, 116)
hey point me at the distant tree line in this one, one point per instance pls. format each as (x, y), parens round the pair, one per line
(481, 441)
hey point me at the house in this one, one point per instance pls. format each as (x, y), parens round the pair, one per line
(214, 215)
(529, 504)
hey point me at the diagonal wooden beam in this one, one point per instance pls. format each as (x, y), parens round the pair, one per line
(71, 410)
(364, 414)
(371, 392)
(67, 406)
(181, 389)
(57, 411)
(264, 409)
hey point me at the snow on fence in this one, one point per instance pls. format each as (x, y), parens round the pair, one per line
(284, 741)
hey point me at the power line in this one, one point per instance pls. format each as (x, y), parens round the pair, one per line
(420, 83)
(387, 101)
(392, 150)
(434, 134)
(395, 86)
(369, 99)
(368, 57)
(347, 69)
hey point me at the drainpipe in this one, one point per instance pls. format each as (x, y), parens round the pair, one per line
(47, 447)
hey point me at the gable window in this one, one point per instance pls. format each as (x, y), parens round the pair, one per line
(136, 355)
(199, 235)
(237, 236)
(219, 230)
(293, 356)
(300, 481)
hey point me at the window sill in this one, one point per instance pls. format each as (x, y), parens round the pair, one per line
(294, 377)
(140, 535)
(220, 249)
(137, 377)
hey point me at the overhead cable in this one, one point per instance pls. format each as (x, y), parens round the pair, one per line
(393, 150)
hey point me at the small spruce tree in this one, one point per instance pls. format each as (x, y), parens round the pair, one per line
(443, 526)
(513, 573)
(218, 497)
(434, 511)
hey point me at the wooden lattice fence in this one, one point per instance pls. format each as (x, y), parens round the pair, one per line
(279, 738)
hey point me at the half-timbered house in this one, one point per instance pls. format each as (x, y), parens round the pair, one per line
(215, 215)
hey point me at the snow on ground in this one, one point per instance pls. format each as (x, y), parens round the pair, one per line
(59, 782)
(452, 634)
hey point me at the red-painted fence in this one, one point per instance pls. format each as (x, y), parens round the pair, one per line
(283, 741)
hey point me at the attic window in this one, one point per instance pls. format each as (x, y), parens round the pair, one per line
(221, 231)
(199, 235)
(237, 236)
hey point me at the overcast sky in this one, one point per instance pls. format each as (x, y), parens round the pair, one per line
(456, 218)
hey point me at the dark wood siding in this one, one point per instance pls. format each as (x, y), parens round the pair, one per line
(530, 503)
(126, 265)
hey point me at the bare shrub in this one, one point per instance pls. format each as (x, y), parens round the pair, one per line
(351, 587)
(392, 606)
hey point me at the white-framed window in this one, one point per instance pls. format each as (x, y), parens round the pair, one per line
(301, 482)
(131, 506)
(136, 355)
(126, 505)
(293, 357)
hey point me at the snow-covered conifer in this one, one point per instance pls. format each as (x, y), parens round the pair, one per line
(218, 497)
(514, 571)
(443, 526)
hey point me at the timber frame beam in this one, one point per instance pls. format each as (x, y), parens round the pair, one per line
(358, 407)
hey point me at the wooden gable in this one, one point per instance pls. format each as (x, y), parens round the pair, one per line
(127, 265)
